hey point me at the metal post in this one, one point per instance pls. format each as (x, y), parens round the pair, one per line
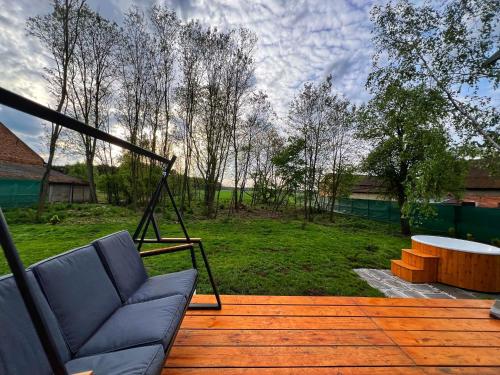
(17, 267)
(181, 222)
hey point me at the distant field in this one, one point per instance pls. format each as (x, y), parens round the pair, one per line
(250, 254)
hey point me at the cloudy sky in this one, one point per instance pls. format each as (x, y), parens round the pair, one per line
(298, 41)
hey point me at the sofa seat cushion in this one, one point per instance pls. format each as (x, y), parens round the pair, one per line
(145, 360)
(161, 286)
(122, 261)
(147, 323)
(79, 292)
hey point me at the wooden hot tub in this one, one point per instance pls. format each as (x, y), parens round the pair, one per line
(465, 264)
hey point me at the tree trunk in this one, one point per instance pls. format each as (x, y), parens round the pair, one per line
(44, 184)
(404, 221)
(90, 178)
(405, 226)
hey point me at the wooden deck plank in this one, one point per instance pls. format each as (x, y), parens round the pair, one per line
(444, 338)
(337, 335)
(337, 301)
(437, 324)
(276, 322)
(276, 300)
(461, 370)
(284, 310)
(453, 356)
(425, 312)
(286, 356)
(300, 371)
(204, 337)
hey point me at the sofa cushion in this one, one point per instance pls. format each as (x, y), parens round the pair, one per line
(79, 292)
(21, 351)
(147, 323)
(145, 360)
(122, 261)
(182, 283)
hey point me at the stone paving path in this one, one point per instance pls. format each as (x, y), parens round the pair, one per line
(395, 287)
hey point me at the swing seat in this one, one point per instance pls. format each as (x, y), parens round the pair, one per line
(21, 351)
(126, 269)
(103, 311)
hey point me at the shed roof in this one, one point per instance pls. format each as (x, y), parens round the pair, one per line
(18, 171)
(477, 179)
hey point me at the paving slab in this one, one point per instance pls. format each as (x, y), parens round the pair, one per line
(394, 287)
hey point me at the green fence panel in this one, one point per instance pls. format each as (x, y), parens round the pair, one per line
(482, 223)
(18, 193)
(443, 221)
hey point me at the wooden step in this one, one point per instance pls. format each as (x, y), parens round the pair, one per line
(408, 272)
(420, 260)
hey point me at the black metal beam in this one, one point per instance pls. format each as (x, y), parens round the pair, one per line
(17, 268)
(30, 107)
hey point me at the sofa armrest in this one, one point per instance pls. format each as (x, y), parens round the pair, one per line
(163, 250)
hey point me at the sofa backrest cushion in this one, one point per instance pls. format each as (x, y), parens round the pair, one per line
(79, 292)
(21, 351)
(122, 261)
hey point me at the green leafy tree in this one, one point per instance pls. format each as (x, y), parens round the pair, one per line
(290, 168)
(444, 48)
(411, 149)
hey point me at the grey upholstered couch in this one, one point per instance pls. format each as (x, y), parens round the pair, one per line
(103, 311)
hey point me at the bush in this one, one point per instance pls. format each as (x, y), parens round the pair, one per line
(452, 232)
(54, 220)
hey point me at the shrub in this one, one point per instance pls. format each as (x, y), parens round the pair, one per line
(54, 220)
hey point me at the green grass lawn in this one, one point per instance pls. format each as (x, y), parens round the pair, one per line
(250, 254)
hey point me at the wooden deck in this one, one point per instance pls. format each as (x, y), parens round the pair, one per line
(337, 335)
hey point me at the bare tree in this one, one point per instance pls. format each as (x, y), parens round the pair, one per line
(134, 69)
(252, 133)
(91, 78)
(341, 150)
(241, 78)
(212, 134)
(188, 94)
(58, 32)
(310, 115)
(165, 28)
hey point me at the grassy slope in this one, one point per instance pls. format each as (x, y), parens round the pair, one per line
(257, 255)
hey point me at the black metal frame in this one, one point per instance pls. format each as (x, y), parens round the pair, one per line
(188, 242)
(30, 107)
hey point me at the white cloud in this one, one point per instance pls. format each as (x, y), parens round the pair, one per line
(298, 41)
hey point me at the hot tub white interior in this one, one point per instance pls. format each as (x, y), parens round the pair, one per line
(458, 245)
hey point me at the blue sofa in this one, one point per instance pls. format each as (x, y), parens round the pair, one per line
(102, 310)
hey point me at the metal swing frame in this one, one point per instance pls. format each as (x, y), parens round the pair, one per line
(15, 263)
(184, 243)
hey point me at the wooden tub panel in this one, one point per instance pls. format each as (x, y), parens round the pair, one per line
(479, 272)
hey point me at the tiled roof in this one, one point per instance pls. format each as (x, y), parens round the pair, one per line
(14, 150)
(367, 185)
(477, 179)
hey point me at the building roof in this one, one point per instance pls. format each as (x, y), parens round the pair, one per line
(17, 171)
(14, 150)
(477, 179)
(369, 185)
(19, 162)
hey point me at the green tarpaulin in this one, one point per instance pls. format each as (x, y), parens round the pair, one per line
(18, 193)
